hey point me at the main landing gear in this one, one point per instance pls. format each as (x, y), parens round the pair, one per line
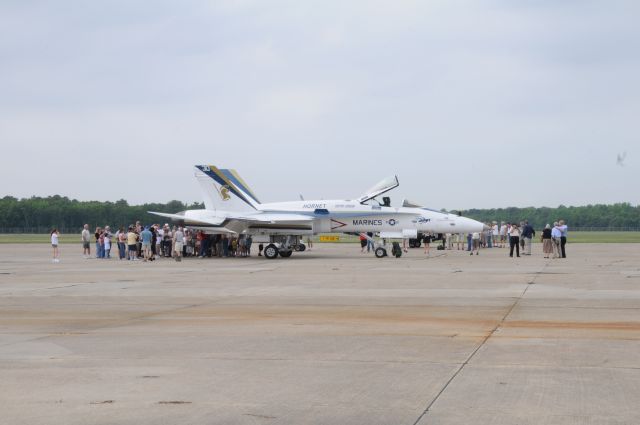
(380, 248)
(283, 247)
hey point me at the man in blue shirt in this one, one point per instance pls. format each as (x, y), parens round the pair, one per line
(527, 234)
(146, 236)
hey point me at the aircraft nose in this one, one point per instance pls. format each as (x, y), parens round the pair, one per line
(485, 227)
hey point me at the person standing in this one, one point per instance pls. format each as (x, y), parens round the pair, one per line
(503, 234)
(225, 246)
(475, 237)
(370, 246)
(178, 241)
(200, 239)
(547, 244)
(154, 239)
(146, 236)
(159, 240)
(54, 245)
(107, 243)
(514, 239)
(167, 240)
(122, 243)
(86, 242)
(563, 238)
(249, 242)
(427, 244)
(527, 234)
(101, 240)
(363, 243)
(556, 236)
(132, 244)
(97, 236)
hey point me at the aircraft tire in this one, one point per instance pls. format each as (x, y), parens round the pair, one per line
(286, 254)
(380, 252)
(300, 247)
(271, 252)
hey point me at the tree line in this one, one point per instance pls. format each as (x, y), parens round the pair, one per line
(621, 216)
(40, 214)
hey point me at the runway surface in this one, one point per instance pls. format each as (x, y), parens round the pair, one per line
(330, 336)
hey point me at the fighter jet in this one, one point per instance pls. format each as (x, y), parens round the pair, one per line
(232, 208)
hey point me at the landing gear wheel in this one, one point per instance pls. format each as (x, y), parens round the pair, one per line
(286, 254)
(301, 247)
(380, 252)
(271, 251)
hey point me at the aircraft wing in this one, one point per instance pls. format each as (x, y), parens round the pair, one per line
(233, 224)
(274, 218)
(209, 221)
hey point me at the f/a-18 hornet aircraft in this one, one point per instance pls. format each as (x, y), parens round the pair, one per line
(232, 208)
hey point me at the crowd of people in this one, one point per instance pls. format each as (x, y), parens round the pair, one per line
(151, 242)
(517, 237)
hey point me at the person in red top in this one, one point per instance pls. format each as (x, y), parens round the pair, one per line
(202, 240)
(363, 243)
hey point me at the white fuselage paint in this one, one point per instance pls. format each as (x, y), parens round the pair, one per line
(342, 216)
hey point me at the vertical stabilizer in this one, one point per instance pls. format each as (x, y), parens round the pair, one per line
(224, 189)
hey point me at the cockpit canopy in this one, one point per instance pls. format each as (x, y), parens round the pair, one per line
(380, 188)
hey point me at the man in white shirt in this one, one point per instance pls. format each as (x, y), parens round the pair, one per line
(86, 242)
(514, 239)
(563, 238)
(556, 235)
(178, 241)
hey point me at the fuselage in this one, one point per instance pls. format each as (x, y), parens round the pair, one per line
(344, 216)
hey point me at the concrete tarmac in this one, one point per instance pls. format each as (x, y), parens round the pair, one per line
(329, 336)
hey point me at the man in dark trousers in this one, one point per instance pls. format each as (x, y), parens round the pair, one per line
(563, 239)
(527, 234)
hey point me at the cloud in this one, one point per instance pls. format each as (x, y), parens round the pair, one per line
(472, 103)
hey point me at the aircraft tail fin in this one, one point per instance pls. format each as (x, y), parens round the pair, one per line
(224, 189)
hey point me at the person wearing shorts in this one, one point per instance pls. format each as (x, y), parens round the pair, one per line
(132, 244)
(146, 236)
(54, 245)
(475, 238)
(178, 242)
(86, 241)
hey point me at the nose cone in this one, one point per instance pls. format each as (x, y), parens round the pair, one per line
(467, 225)
(485, 227)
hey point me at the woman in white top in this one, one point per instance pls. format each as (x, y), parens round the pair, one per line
(514, 239)
(54, 244)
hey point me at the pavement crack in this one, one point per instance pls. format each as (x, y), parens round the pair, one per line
(482, 343)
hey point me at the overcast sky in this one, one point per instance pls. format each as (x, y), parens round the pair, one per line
(473, 104)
